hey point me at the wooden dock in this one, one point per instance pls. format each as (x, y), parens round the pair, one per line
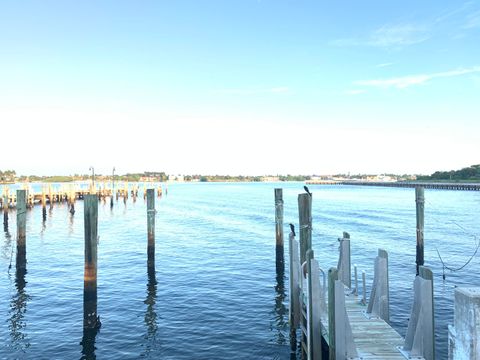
(335, 322)
(72, 192)
(404, 184)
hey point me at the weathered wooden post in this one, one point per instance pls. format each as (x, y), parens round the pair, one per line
(50, 196)
(305, 221)
(279, 228)
(44, 205)
(420, 207)
(21, 231)
(151, 228)
(90, 318)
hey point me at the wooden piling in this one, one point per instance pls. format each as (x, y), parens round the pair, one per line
(279, 229)
(420, 208)
(90, 318)
(151, 228)
(50, 196)
(21, 262)
(44, 205)
(279, 217)
(305, 221)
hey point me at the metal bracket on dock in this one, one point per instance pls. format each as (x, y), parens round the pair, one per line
(379, 303)
(344, 267)
(420, 337)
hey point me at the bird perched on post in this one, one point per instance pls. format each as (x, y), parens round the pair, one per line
(306, 189)
(292, 229)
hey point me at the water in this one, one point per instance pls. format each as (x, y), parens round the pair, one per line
(216, 293)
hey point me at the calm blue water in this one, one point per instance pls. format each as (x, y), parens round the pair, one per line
(217, 294)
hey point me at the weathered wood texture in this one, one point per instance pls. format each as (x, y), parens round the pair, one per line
(90, 319)
(21, 262)
(151, 228)
(279, 217)
(305, 221)
(420, 209)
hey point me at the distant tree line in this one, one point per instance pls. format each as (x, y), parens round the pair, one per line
(7, 175)
(471, 173)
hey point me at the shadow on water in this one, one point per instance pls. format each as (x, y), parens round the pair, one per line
(88, 343)
(150, 313)
(18, 308)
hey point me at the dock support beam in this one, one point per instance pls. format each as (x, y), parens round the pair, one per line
(305, 221)
(21, 262)
(420, 208)
(279, 228)
(344, 264)
(151, 228)
(90, 318)
(420, 336)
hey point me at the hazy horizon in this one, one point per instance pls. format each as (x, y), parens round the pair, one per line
(249, 87)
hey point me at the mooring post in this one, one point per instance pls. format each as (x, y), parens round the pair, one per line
(44, 205)
(305, 221)
(151, 228)
(90, 318)
(50, 196)
(279, 228)
(21, 230)
(420, 207)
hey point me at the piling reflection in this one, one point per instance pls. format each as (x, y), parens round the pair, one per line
(150, 313)
(18, 308)
(88, 343)
(280, 310)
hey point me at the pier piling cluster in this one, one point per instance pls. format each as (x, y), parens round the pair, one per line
(340, 321)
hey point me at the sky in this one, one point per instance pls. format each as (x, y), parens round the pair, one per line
(239, 86)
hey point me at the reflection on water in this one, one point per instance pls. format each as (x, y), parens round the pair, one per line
(88, 343)
(71, 223)
(150, 313)
(280, 310)
(18, 308)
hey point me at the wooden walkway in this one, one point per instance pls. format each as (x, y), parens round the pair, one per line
(373, 337)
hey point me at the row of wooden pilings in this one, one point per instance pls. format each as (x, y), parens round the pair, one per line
(324, 312)
(91, 319)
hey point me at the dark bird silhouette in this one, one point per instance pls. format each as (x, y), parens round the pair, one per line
(292, 229)
(308, 191)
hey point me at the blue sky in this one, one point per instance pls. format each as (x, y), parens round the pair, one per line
(244, 86)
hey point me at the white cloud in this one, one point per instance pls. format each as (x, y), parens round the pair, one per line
(410, 80)
(390, 36)
(473, 21)
(384, 65)
(398, 35)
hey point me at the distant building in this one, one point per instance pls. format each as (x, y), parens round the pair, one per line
(270, 178)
